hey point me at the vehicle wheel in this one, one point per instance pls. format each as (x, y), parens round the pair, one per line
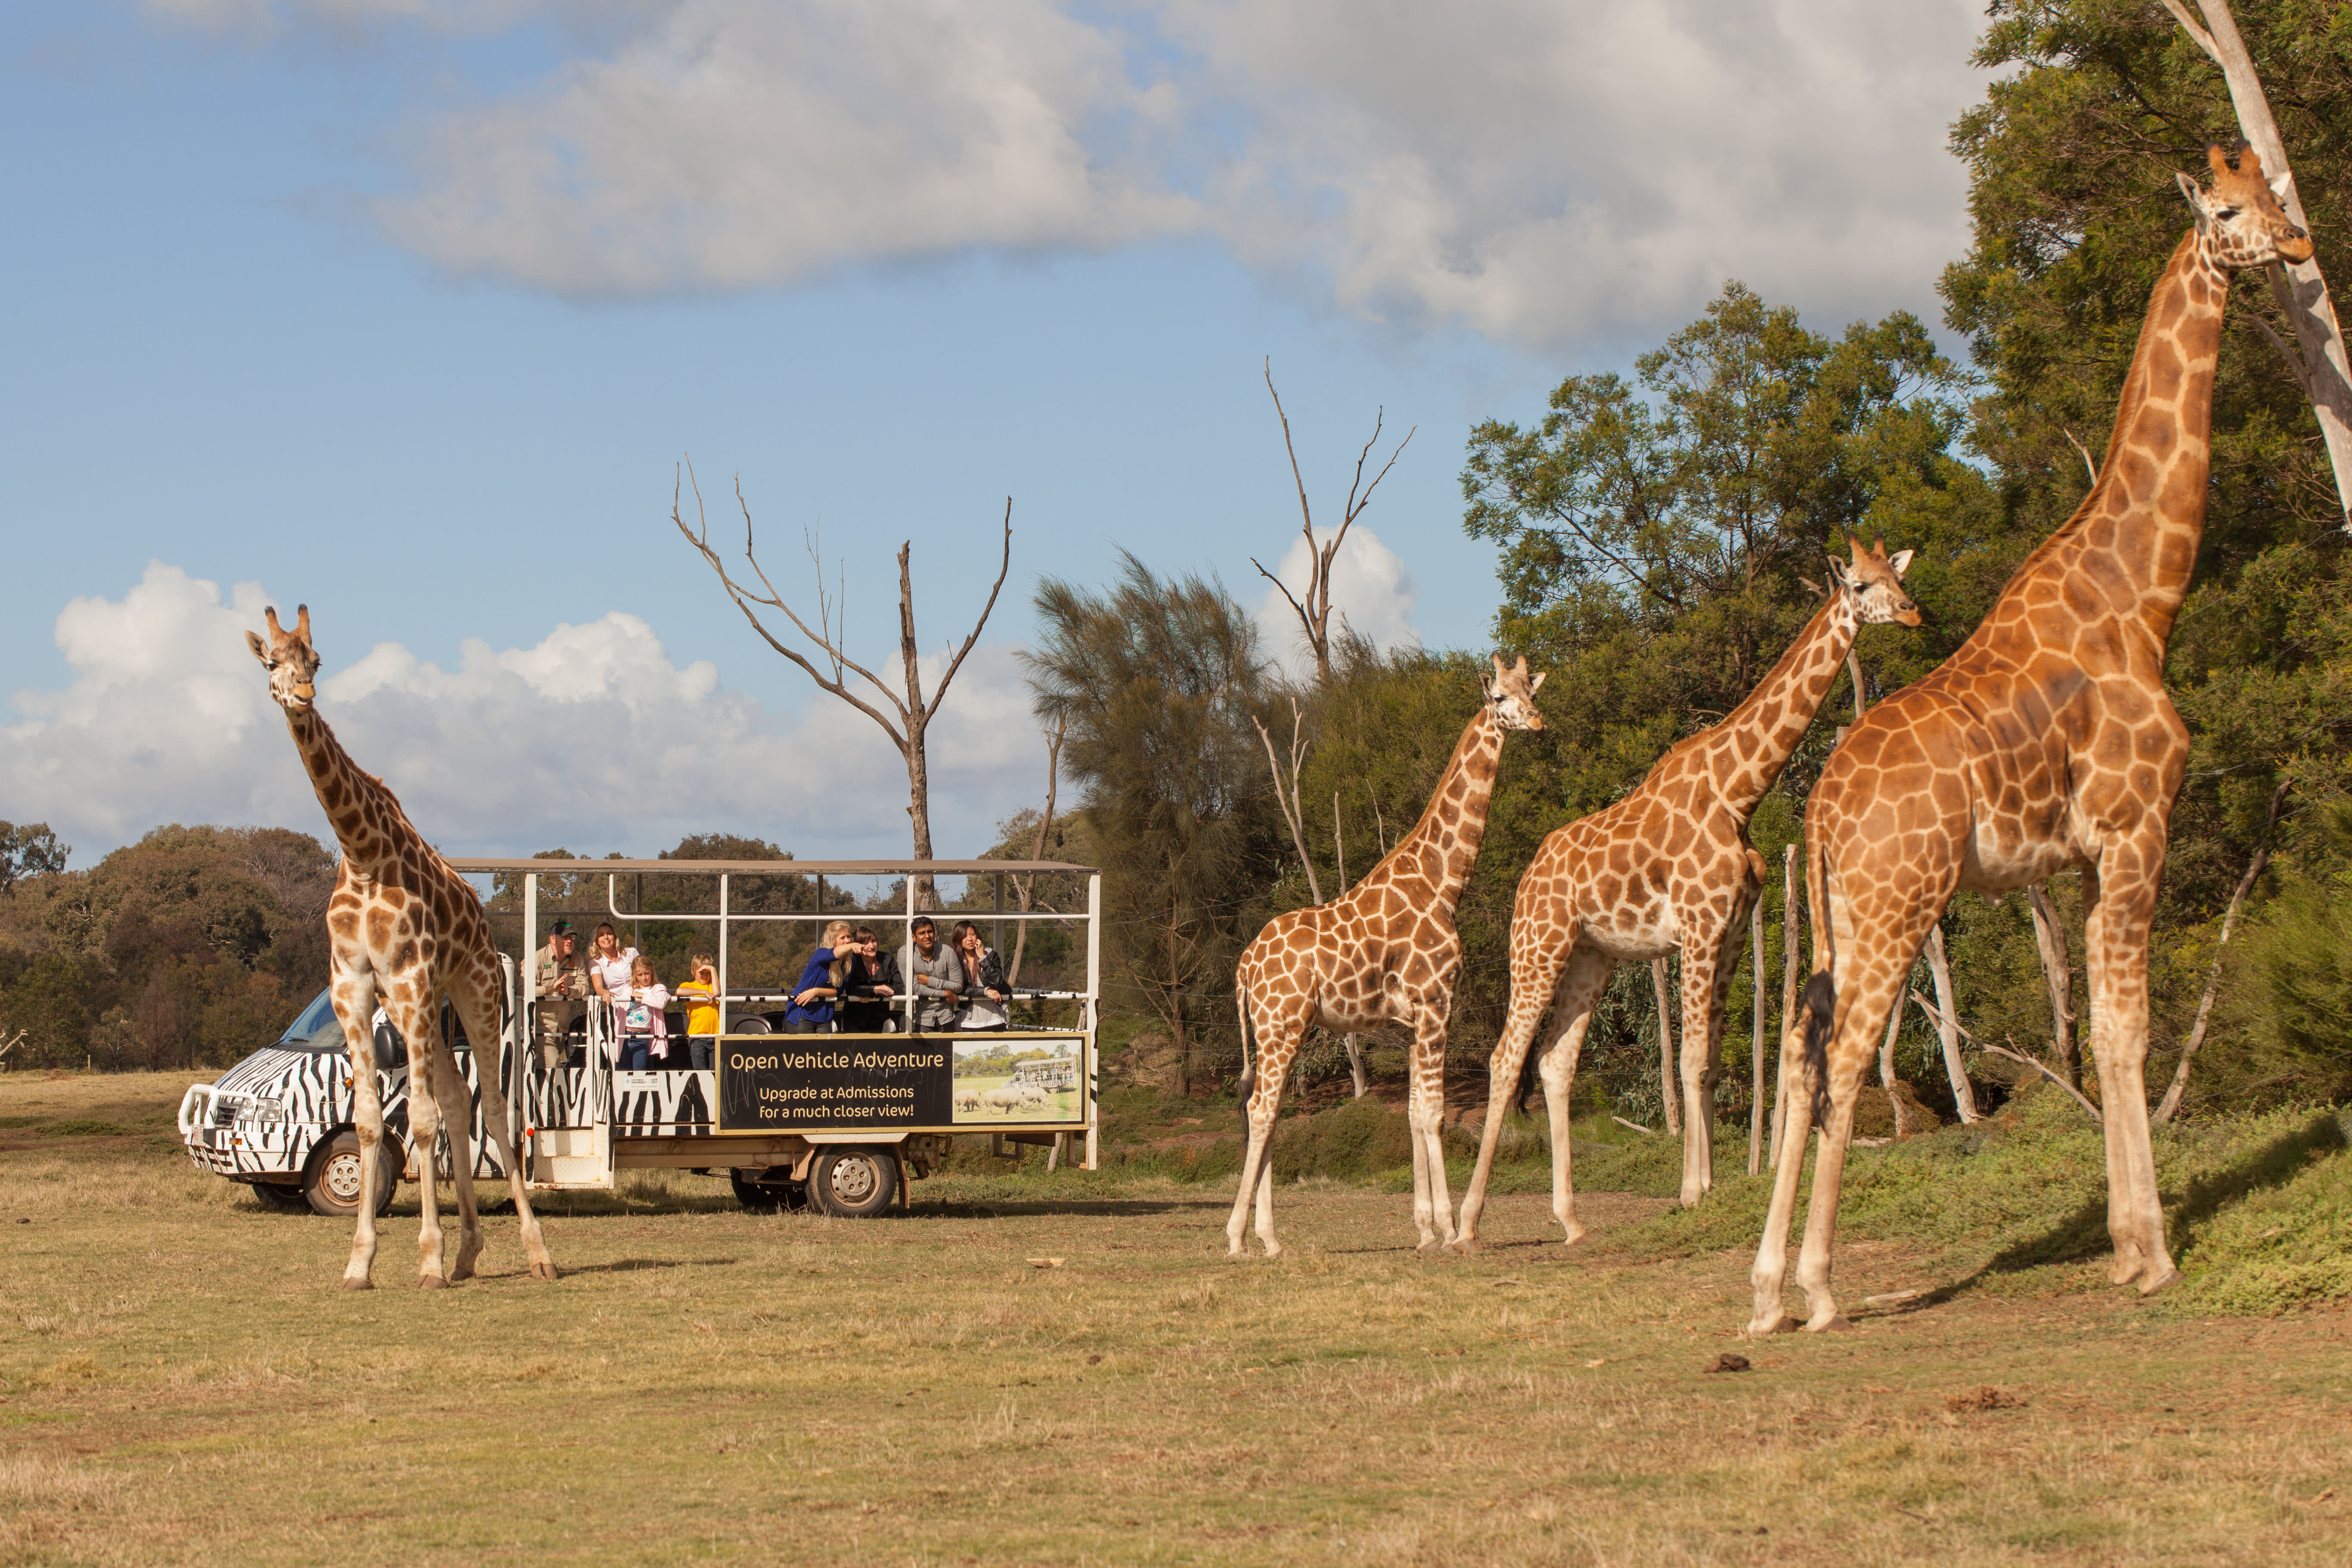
(854, 1183)
(278, 1196)
(767, 1191)
(331, 1185)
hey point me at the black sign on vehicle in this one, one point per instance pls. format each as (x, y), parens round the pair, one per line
(774, 1084)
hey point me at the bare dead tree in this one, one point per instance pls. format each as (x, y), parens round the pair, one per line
(1788, 900)
(2058, 976)
(1756, 1047)
(1314, 607)
(2299, 288)
(2011, 1052)
(1285, 790)
(2179, 1086)
(1024, 888)
(909, 718)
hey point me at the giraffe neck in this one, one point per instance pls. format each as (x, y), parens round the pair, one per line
(1443, 845)
(368, 821)
(1755, 740)
(2146, 515)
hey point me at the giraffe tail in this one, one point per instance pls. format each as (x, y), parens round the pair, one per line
(1815, 1024)
(1249, 1057)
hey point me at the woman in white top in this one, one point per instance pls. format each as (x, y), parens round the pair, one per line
(609, 966)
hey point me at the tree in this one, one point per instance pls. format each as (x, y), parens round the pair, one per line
(1313, 607)
(1155, 682)
(31, 850)
(909, 717)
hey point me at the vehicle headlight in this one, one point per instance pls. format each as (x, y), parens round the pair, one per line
(259, 1108)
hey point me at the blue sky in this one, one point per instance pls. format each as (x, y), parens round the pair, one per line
(409, 311)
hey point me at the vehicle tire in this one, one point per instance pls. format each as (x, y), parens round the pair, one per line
(332, 1184)
(855, 1182)
(767, 1191)
(277, 1195)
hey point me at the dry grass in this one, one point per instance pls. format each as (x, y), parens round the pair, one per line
(180, 1381)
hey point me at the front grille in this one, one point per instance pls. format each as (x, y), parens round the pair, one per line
(224, 1112)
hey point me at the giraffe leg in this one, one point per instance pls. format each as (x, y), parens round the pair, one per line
(1588, 975)
(354, 998)
(2116, 942)
(1706, 988)
(479, 1010)
(1433, 1207)
(456, 1108)
(409, 1005)
(1535, 966)
(1879, 938)
(1277, 1043)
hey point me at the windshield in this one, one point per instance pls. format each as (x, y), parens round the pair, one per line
(317, 1029)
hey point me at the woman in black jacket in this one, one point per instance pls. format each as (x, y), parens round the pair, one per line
(868, 988)
(985, 999)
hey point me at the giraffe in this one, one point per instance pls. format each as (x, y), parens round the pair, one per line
(1668, 866)
(2045, 741)
(405, 929)
(1385, 951)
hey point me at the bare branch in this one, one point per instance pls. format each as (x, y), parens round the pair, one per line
(2190, 25)
(995, 588)
(2295, 366)
(744, 599)
(2179, 1085)
(1941, 1018)
(2081, 451)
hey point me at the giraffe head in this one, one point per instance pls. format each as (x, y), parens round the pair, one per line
(292, 661)
(2239, 219)
(1876, 581)
(1512, 695)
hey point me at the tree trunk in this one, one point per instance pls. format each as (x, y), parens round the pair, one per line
(2326, 378)
(2058, 978)
(1669, 1080)
(1355, 1050)
(1947, 1027)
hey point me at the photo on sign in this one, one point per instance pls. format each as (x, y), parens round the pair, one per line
(1012, 1080)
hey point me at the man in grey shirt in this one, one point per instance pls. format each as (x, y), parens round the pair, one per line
(931, 967)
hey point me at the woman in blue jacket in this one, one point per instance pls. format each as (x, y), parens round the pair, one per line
(810, 1012)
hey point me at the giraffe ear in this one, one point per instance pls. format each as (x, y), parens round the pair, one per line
(1900, 560)
(302, 623)
(1841, 577)
(2196, 197)
(260, 650)
(2278, 187)
(1536, 684)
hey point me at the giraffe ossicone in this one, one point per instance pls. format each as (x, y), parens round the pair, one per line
(1667, 867)
(1383, 954)
(2045, 743)
(406, 929)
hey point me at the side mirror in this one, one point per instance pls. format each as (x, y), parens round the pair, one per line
(391, 1050)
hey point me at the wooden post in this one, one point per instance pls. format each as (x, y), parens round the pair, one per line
(1669, 1080)
(1756, 1048)
(1789, 901)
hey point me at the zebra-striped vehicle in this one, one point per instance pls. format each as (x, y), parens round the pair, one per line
(838, 1120)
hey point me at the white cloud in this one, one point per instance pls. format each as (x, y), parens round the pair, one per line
(1372, 592)
(1537, 172)
(594, 738)
(732, 144)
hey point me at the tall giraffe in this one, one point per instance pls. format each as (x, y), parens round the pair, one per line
(1667, 867)
(2045, 741)
(1385, 951)
(406, 930)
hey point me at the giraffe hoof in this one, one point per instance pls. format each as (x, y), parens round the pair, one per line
(465, 1270)
(2155, 1282)
(432, 1282)
(361, 1283)
(1835, 1323)
(1463, 1244)
(543, 1270)
(1778, 1323)
(1574, 1234)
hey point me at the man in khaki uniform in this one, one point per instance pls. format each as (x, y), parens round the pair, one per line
(560, 984)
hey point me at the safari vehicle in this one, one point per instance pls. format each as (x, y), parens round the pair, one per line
(838, 1120)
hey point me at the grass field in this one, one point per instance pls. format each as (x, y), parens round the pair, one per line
(1066, 1369)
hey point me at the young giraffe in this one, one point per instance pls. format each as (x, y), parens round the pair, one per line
(2046, 741)
(1385, 951)
(1667, 867)
(403, 926)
